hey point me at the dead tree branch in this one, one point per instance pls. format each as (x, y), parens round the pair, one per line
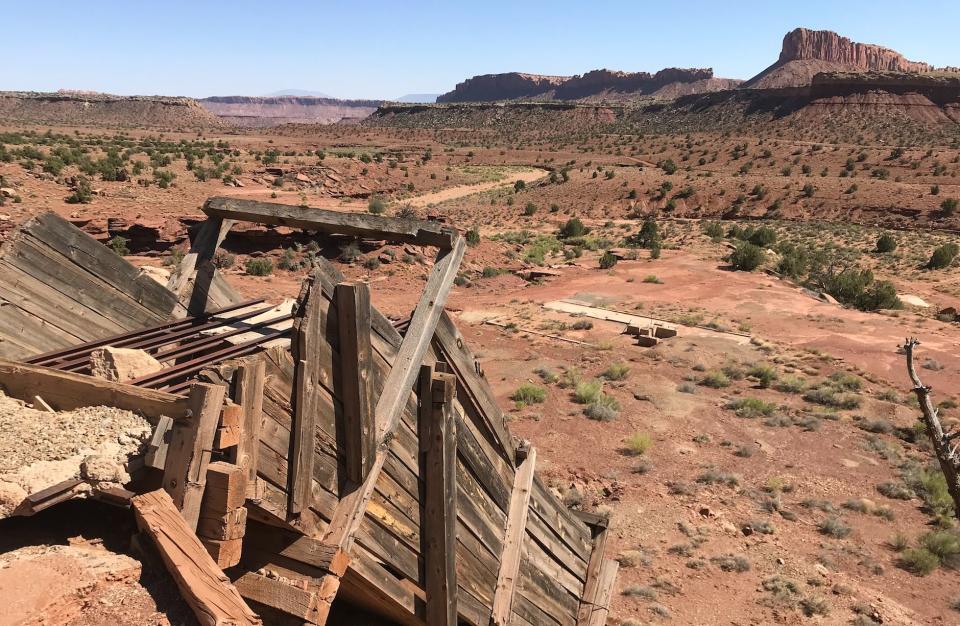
(948, 455)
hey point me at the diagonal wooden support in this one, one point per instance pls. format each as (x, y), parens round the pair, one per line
(211, 234)
(415, 343)
(438, 535)
(248, 394)
(185, 470)
(356, 388)
(513, 541)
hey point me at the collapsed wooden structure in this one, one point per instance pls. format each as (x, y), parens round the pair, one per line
(356, 469)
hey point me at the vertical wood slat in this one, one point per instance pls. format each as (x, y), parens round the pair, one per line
(356, 390)
(513, 541)
(438, 447)
(307, 336)
(185, 471)
(249, 395)
(593, 585)
(601, 603)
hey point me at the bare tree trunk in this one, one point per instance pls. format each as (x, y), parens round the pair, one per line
(944, 446)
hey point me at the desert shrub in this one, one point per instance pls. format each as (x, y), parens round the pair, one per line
(259, 267)
(119, 245)
(223, 260)
(886, 243)
(638, 443)
(573, 228)
(377, 205)
(763, 237)
(288, 260)
(715, 380)
(582, 325)
(814, 605)
(731, 563)
(607, 260)
(931, 485)
(829, 396)
(529, 394)
(747, 257)
(895, 491)
(687, 388)
(638, 591)
(790, 384)
(530, 209)
(546, 375)
(949, 206)
(713, 230)
(834, 527)
(647, 237)
(82, 192)
(472, 236)
(601, 411)
(350, 253)
(587, 391)
(751, 407)
(899, 542)
(764, 374)
(918, 561)
(714, 476)
(943, 256)
(616, 371)
(945, 544)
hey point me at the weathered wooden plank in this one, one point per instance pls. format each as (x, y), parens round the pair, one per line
(228, 432)
(301, 603)
(248, 393)
(156, 455)
(67, 390)
(297, 547)
(89, 254)
(601, 604)
(333, 222)
(209, 237)
(204, 587)
(356, 384)
(309, 324)
(513, 540)
(406, 365)
(593, 587)
(438, 446)
(185, 473)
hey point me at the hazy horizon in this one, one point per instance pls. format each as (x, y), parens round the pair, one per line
(372, 52)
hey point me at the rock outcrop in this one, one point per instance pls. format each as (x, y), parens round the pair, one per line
(273, 111)
(806, 53)
(607, 84)
(96, 109)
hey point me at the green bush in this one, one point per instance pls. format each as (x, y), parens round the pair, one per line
(918, 561)
(608, 260)
(715, 380)
(763, 237)
(473, 237)
(529, 394)
(886, 243)
(616, 371)
(945, 544)
(573, 228)
(713, 230)
(943, 256)
(587, 391)
(834, 527)
(949, 206)
(119, 245)
(747, 257)
(790, 384)
(648, 237)
(763, 373)
(638, 443)
(751, 407)
(259, 267)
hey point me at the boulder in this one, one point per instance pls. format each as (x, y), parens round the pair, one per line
(122, 364)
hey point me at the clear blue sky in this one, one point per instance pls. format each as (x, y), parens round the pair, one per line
(380, 49)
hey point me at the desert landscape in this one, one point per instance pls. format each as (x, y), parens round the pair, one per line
(695, 298)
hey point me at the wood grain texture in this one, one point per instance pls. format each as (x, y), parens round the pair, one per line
(204, 587)
(513, 541)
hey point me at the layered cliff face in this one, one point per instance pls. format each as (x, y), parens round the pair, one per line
(276, 110)
(594, 84)
(96, 109)
(806, 53)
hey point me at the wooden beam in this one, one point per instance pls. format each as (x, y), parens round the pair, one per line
(228, 432)
(248, 393)
(308, 327)
(356, 388)
(156, 455)
(67, 390)
(211, 234)
(594, 584)
(438, 527)
(191, 443)
(406, 365)
(601, 604)
(513, 540)
(204, 587)
(332, 222)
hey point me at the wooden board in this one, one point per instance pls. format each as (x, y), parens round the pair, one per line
(205, 588)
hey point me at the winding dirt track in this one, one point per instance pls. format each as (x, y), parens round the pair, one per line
(459, 191)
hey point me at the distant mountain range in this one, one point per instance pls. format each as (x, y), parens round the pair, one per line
(419, 98)
(303, 93)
